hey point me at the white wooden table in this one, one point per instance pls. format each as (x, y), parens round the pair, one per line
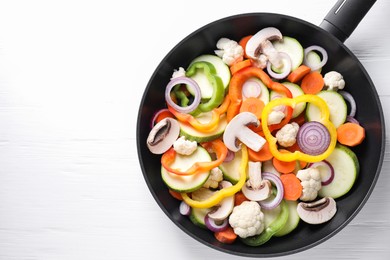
(72, 74)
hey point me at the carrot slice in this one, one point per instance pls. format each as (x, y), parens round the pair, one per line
(261, 156)
(239, 198)
(243, 42)
(283, 167)
(240, 65)
(175, 194)
(253, 105)
(292, 186)
(297, 74)
(312, 83)
(350, 134)
(226, 236)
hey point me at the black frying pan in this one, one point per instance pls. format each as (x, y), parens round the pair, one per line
(334, 30)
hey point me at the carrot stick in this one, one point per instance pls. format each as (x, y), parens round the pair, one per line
(226, 236)
(292, 186)
(253, 105)
(243, 43)
(175, 194)
(261, 156)
(350, 134)
(283, 167)
(239, 198)
(240, 65)
(312, 83)
(297, 74)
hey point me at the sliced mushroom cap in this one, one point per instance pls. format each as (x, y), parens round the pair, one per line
(237, 129)
(317, 212)
(225, 207)
(163, 135)
(257, 42)
(256, 189)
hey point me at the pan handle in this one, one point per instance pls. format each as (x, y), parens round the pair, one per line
(345, 16)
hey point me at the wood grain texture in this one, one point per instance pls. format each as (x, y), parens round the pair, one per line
(72, 74)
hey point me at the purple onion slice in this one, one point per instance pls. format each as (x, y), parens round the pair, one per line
(214, 225)
(326, 171)
(271, 204)
(313, 138)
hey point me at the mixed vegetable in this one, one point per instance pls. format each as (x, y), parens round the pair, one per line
(256, 138)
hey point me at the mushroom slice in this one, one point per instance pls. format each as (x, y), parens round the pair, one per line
(317, 212)
(225, 207)
(256, 189)
(237, 129)
(260, 43)
(163, 135)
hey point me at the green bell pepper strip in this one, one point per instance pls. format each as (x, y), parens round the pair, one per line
(216, 82)
(271, 230)
(298, 155)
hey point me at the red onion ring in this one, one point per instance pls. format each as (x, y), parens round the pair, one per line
(326, 171)
(187, 81)
(347, 96)
(324, 55)
(279, 193)
(352, 120)
(184, 209)
(214, 226)
(286, 67)
(230, 156)
(313, 138)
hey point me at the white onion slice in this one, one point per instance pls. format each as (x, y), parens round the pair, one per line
(251, 88)
(194, 86)
(279, 193)
(326, 171)
(324, 55)
(286, 60)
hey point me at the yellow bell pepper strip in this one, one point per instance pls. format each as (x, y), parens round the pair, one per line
(298, 155)
(194, 122)
(219, 195)
(235, 92)
(216, 82)
(217, 146)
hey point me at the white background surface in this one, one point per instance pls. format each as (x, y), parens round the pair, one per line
(72, 74)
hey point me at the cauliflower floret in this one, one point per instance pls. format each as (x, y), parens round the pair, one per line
(178, 73)
(311, 183)
(230, 51)
(215, 177)
(247, 219)
(275, 117)
(287, 135)
(334, 81)
(184, 147)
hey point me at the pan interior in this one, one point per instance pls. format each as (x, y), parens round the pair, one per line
(358, 83)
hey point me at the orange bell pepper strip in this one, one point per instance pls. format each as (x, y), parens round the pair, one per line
(235, 92)
(204, 127)
(217, 146)
(298, 155)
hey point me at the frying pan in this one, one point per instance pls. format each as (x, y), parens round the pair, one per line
(336, 27)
